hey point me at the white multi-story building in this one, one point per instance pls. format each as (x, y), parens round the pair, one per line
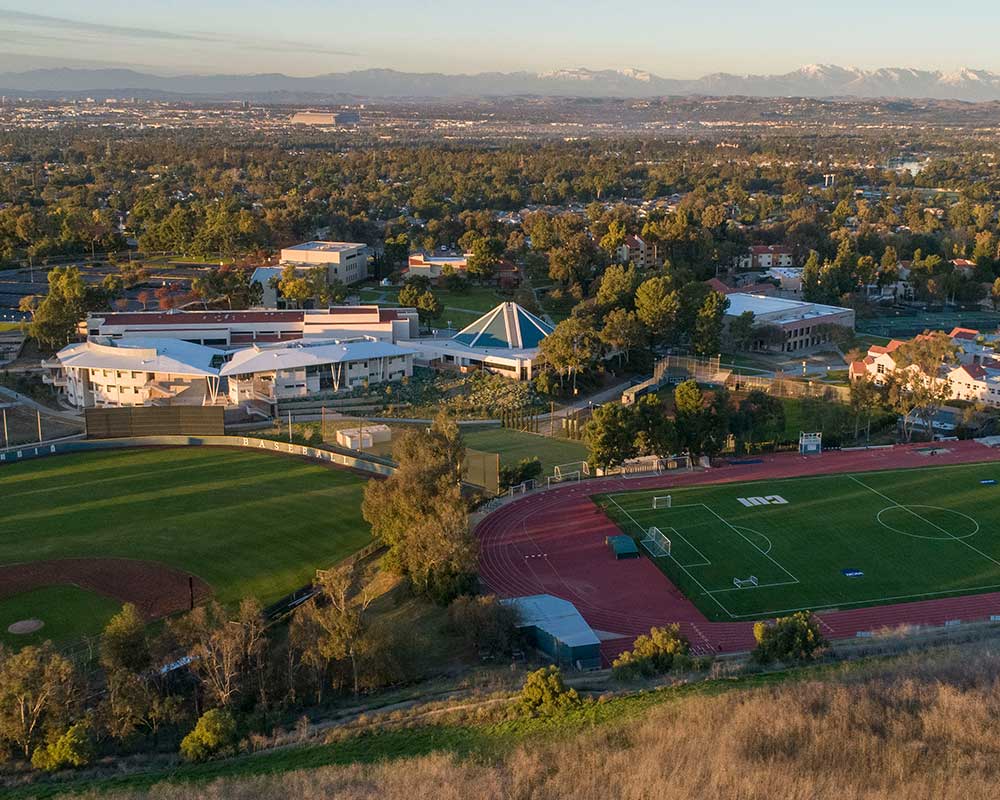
(271, 373)
(634, 250)
(766, 256)
(104, 372)
(976, 376)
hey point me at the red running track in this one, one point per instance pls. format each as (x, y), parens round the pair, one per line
(553, 543)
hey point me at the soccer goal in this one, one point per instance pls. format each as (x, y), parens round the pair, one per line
(565, 470)
(663, 501)
(563, 478)
(743, 583)
(656, 543)
(522, 488)
(810, 444)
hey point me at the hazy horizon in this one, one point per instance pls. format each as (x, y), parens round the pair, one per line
(309, 37)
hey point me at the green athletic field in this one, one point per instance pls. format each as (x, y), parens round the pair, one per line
(914, 534)
(248, 523)
(68, 613)
(513, 446)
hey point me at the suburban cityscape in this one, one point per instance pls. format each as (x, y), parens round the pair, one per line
(381, 424)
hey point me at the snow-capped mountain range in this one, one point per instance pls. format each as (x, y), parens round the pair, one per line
(815, 80)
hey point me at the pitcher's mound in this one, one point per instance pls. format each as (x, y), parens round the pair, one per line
(25, 626)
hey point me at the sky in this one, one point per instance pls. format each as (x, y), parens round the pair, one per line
(671, 38)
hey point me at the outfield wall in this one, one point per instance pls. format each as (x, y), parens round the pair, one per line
(330, 456)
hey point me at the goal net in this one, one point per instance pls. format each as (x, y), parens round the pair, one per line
(563, 478)
(522, 488)
(656, 543)
(578, 467)
(742, 583)
(810, 444)
(663, 501)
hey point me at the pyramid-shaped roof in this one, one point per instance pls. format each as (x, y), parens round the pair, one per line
(508, 326)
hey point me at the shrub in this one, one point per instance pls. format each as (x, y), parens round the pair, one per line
(484, 623)
(544, 693)
(526, 469)
(793, 638)
(215, 732)
(662, 650)
(73, 749)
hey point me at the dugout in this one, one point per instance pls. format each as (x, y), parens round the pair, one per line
(622, 546)
(555, 627)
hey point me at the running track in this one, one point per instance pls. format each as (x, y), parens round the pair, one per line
(552, 542)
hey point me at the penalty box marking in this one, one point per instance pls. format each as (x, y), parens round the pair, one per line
(705, 562)
(697, 583)
(713, 592)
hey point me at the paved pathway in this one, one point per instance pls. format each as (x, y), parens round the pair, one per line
(65, 416)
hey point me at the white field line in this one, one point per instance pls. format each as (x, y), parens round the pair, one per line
(686, 572)
(758, 586)
(751, 543)
(918, 516)
(705, 561)
(972, 590)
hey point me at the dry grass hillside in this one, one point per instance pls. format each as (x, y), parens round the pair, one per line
(920, 727)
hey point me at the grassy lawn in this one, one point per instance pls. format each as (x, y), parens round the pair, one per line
(476, 298)
(866, 340)
(247, 523)
(514, 446)
(460, 308)
(68, 613)
(747, 361)
(914, 534)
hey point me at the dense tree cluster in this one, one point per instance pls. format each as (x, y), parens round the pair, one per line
(420, 514)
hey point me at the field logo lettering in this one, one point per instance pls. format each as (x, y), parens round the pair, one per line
(767, 500)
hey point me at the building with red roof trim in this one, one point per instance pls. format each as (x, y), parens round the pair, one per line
(239, 328)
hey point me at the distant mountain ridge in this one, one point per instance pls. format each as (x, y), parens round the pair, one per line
(814, 80)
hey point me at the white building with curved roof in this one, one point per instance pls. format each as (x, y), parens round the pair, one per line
(270, 373)
(106, 372)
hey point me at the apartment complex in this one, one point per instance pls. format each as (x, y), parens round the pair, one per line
(634, 250)
(974, 377)
(766, 256)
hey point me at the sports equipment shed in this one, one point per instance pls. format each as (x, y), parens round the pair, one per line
(556, 628)
(622, 546)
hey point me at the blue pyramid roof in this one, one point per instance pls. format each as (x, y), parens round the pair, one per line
(508, 326)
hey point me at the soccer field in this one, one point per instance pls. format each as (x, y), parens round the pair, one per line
(247, 523)
(832, 541)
